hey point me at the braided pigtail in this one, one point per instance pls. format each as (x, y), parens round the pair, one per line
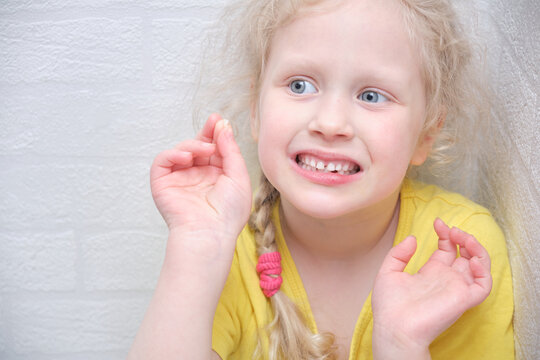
(289, 336)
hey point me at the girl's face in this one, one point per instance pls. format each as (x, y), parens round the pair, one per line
(341, 109)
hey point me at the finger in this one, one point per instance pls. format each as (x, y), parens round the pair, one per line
(217, 158)
(482, 281)
(471, 245)
(191, 176)
(464, 253)
(447, 251)
(166, 160)
(398, 257)
(476, 250)
(442, 230)
(211, 159)
(202, 151)
(220, 126)
(197, 147)
(207, 132)
(232, 161)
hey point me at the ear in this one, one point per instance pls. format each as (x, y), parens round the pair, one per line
(427, 139)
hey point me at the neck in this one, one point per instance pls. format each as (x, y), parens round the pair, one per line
(354, 236)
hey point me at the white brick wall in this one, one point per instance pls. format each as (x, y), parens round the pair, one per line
(90, 91)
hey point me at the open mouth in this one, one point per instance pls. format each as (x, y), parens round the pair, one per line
(313, 163)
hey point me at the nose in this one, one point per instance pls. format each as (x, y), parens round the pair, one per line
(332, 120)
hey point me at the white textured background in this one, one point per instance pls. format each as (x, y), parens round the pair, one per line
(90, 91)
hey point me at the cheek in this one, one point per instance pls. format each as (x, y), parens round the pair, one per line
(275, 124)
(393, 144)
(270, 140)
(269, 133)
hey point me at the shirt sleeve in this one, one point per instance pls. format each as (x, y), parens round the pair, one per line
(485, 331)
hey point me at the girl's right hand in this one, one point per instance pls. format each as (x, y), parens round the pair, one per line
(202, 187)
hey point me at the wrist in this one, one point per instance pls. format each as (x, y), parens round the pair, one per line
(203, 244)
(203, 253)
(389, 345)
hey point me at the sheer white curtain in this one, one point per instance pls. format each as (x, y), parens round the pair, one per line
(511, 30)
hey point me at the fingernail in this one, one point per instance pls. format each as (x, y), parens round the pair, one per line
(226, 122)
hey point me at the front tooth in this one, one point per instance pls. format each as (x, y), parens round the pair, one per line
(339, 167)
(331, 167)
(320, 165)
(345, 167)
(313, 163)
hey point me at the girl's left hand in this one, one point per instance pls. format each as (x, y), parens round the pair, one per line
(410, 311)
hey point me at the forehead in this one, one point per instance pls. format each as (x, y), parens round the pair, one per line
(363, 33)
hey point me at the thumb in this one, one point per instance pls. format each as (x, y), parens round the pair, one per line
(398, 257)
(232, 161)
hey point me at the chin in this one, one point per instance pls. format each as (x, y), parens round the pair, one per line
(320, 207)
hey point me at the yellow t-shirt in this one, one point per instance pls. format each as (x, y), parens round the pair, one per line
(483, 332)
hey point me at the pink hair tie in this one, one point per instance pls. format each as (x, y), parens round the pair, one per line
(270, 264)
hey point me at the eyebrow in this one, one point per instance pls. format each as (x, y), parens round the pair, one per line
(298, 62)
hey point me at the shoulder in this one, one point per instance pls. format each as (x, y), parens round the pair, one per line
(423, 203)
(431, 196)
(425, 200)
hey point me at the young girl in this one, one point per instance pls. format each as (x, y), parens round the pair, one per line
(346, 96)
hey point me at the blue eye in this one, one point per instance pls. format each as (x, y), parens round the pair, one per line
(302, 87)
(371, 96)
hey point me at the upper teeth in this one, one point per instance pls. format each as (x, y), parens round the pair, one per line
(312, 163)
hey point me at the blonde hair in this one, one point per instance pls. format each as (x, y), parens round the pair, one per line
(453, 91)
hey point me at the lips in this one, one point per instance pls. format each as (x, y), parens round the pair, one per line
(311, 162)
